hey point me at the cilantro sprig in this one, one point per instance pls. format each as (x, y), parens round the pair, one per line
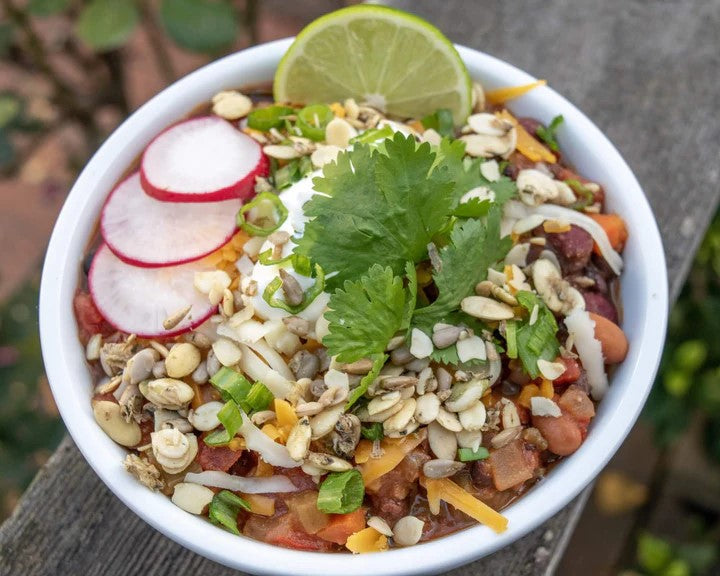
(549, 134)
(376, 207)
(537, 340)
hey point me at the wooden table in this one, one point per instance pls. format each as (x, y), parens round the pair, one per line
(647, 72)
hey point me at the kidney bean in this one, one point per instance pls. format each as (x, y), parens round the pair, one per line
(563, 434)
(601, 305)
(573, 248)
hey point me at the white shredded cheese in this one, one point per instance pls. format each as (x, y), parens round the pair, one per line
(581, 328)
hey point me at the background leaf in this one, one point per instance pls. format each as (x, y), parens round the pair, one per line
(6, 37)
(7, 151)
(47, 7)
(199, 25)
(107, 24)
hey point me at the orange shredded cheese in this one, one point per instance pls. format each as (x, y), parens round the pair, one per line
(500, 95)
(528, 391)
(338, 109)
(237, 444)
(284, 413)
(527, 145)
(417, 126)
(393, 453)
(271, 431)
(445, 489)
(547, 389)
(363, 451)
(259, 504)
(367, 540)
(263, 469)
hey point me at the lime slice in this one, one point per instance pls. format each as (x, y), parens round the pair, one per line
(391, 60)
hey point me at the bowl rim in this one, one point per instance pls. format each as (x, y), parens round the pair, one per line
(534, 508)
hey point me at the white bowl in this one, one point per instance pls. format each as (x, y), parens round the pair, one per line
(644, 294)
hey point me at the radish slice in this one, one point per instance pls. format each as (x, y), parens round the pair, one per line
(146, 232)
(202, 159)
(137, 300)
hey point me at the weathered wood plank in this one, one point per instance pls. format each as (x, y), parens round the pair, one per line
(645, 72)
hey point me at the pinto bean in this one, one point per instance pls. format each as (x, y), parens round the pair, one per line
(563, 434)
(601, 305)
(612, 339)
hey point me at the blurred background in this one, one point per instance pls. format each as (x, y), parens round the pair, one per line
(72, 70)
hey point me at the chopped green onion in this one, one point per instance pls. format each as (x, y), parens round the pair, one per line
(308, 297)
(548, 135)
(373, 432)
(312, 121)
(357, 393)
(511, 338)
(586, 197)
(290, 173)
(468, 455)
(224, 510)
(269, 117)
(301, 265)
(341, 492)
(266, 259)
(259, 397)
(258, 230)
(231, 384)
(372, 135)
(231, 419)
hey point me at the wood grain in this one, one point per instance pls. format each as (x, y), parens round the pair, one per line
(647, 72)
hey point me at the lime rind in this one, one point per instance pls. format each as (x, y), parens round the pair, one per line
(313, 68)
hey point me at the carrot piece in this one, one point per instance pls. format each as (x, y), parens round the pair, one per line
(467, 503)
(259, 504)
(367, 540)
(342, 526)
(615, 229)
(500, 95)
(527, 145)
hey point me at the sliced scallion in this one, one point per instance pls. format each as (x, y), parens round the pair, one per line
(511, 338)
(269, 117)
(259, 397)
(231, 384)
(372, 135)
(224, 510)
(312, 121)
(341, 492)
(231, 419)
(282, 214)
(310, 295)
(469, 455)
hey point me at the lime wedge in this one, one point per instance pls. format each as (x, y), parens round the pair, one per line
(391, 60)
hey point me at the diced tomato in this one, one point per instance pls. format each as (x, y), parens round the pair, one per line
(89, 319)
(512, 465)
(571, 374)
(286, 532)
(342, 526)
(217, 457)
(577, 404)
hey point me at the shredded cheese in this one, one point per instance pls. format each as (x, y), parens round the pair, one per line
(500, 95)
(394, 453)
(367, 540)
(445, 489)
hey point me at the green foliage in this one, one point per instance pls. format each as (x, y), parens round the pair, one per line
(7, 33)
(199, 25)
(47, 7)
(107, 24)
(657, 556)
(26, 430)
(689, 378)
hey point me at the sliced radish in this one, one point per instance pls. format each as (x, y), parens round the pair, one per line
(138, 300)
(202, 159)
(147, 232)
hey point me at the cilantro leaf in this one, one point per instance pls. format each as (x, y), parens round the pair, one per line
(548, 135)
(467, 175)
(475, 245)
(365, 315)
(539, 340)
(376, 207)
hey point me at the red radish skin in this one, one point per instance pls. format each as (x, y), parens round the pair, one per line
(146, 232)
(203, 159)
(137, 300)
